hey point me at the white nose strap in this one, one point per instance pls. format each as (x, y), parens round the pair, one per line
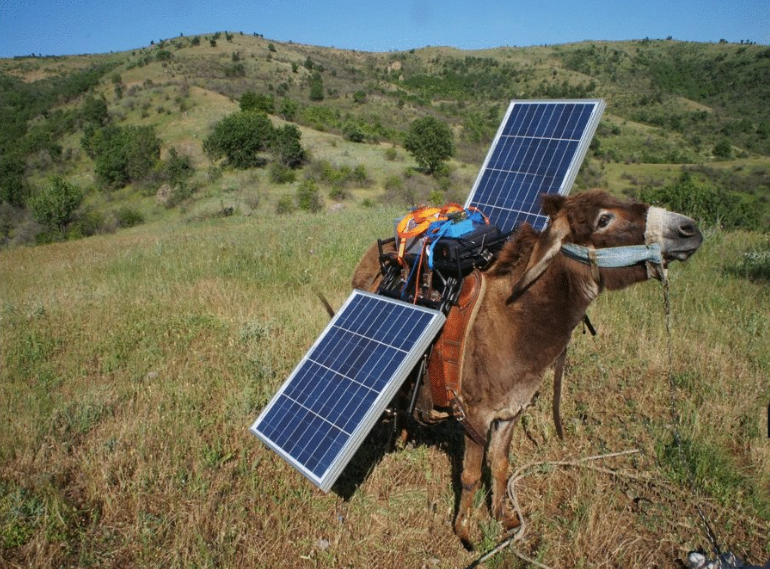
(657, 219)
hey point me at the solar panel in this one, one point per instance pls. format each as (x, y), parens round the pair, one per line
(538, 149)
(332, 399)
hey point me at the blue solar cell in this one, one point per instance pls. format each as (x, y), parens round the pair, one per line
(538, 150)
(334, 396)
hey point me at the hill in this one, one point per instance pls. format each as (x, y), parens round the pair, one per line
(671, 106)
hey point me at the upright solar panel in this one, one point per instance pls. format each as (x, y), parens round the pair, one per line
(538, 149)
(331, 400)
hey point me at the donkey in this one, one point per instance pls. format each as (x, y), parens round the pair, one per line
(537, 292)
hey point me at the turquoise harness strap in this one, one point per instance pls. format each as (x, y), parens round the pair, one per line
(615, 257)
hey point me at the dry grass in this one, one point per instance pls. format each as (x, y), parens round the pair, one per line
(133, 364)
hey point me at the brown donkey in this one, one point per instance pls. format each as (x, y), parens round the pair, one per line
(536, 294)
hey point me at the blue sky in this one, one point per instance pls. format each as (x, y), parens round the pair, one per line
(59, 27)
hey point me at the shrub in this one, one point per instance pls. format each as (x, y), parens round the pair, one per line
(240, 137)
(12, 189)
(281, 174)
(317, 88)
(177, 168)
(708, 205)
(288, 109)
(94, 111)
(430, 142)
(235, 70)
(122, 154)
(88, 223)
(251, 101)
(391, 154)
(754, 264)
(54, 206)
(352, 131)
(285, 205)
(359, 97)
(723, 149)
(308, 197)
(285, 146)
(128, 217)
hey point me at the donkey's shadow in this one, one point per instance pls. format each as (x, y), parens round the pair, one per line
(446, 436)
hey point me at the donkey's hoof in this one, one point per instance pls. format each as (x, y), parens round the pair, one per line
(510, 520)
(463, 530)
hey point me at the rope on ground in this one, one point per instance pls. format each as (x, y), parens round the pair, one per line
(520, 473)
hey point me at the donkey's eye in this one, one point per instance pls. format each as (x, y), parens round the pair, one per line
(604, 221)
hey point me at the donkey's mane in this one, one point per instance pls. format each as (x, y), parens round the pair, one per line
(516, 251)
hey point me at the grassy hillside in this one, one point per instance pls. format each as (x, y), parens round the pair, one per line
(671, 106)
(133, 361)
(132, 366)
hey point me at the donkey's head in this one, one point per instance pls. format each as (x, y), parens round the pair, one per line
(619, 239)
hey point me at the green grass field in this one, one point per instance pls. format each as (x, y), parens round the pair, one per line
(134, 363)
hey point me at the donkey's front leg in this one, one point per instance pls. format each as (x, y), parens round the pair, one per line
(499, 445)
(469, 479)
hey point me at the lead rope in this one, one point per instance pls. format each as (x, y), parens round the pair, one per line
(675, 418)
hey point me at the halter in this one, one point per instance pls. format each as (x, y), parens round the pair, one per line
(627, 256)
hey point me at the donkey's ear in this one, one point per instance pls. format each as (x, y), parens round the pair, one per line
(546, 248)
(552, 204)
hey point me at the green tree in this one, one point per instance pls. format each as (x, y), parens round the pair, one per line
(430, 142)
(94, 111)
(12, 188)
(251, 101)
(240, 137)
(55, 205)
(286, 146)
(122, 154)
(353, 132)
(288, 109)
(317, 88)
(723, 149)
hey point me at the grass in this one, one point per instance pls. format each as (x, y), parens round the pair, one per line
(133, 364)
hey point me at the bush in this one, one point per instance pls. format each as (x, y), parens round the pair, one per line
(754, 264)
(723, 149)
(122, 154)
(94, 111)
(240, 137)
(288, 109)
(54, 206)
(317, 88)
(285, 146)
(430, 142)
(12, 189)
(285, 205)
(128, 217)
(87, 224)
(281, 174)
(251, 101)
(308, 197)
(177, 168)
(708, 205)
(352, 131)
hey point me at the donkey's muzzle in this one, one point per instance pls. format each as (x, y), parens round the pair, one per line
(680, 238)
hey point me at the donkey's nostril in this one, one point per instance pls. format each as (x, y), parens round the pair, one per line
(687, 229)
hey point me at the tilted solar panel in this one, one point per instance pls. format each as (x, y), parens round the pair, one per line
(538, 149)
(332, 399)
